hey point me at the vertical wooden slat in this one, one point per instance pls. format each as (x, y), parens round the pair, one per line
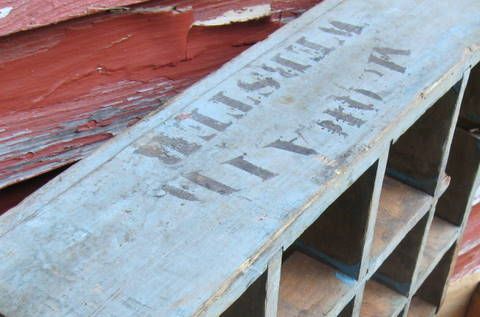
(370, 229)
(273, 285)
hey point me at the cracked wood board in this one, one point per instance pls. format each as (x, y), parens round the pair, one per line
(178, 215)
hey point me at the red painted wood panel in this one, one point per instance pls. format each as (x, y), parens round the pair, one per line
(21, 15)
(68, 87)
(468, 260)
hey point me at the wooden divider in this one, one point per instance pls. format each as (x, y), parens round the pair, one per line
(379, 243)
(382, 247)
(293, 182)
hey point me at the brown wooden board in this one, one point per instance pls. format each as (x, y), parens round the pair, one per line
(310, 288)
(381, 301)
(203, 197)
(399, 268)
(441, 237)
(401, 207)
(421, 308)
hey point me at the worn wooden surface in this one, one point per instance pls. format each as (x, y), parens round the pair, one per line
(401, 207)
(441, 237)
(380, 301)
(458, 295)
(311, 288)
(200, 196)
(55, 115)
(421, 308)
(474, 306)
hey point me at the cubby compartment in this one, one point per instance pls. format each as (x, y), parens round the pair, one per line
(251, 302)
(415, 177)
(441, 236)
(401, 208)
(380, 300)
(430, 291)
(309, 287)
(339, 235)
(321, 271)
(419, 155)
(463, 167)
(398, 270)
(470, 111)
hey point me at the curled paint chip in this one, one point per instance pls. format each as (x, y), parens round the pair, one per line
(235, 16)
(5, 11)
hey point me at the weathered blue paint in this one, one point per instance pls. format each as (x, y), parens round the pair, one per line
(114, 236)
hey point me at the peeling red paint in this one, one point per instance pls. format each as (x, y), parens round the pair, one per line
(468, 260)
(69, 83)
(29, 14)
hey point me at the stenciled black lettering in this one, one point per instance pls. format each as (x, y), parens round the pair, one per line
(332, 127)
(290, 64)
(179, 193)
(209, 122)
(209, 183)
(340, 115)
(320, 51)
(228, 101)
(343, 29)
(382, 57)
(162, 145)
(260, 84)
(351, 103)
(368, 93)
(178, 144)
(241, 163)
(292, 147)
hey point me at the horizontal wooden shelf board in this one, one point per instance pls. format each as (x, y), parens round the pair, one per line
(421, 308)
(177, 216)
(401, 207)
(441, 237)
(381, 301)
(310, 288)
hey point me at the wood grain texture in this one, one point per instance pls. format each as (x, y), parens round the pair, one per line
(25, 15)
(474, 306)
(401, 207)
(164, 195)
(398, 270)
(458, 295)
(441, 237)
(311, 288)
(52, 116)
(421, 308)
(379, 300)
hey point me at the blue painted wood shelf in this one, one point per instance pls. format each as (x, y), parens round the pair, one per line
(330, 165)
